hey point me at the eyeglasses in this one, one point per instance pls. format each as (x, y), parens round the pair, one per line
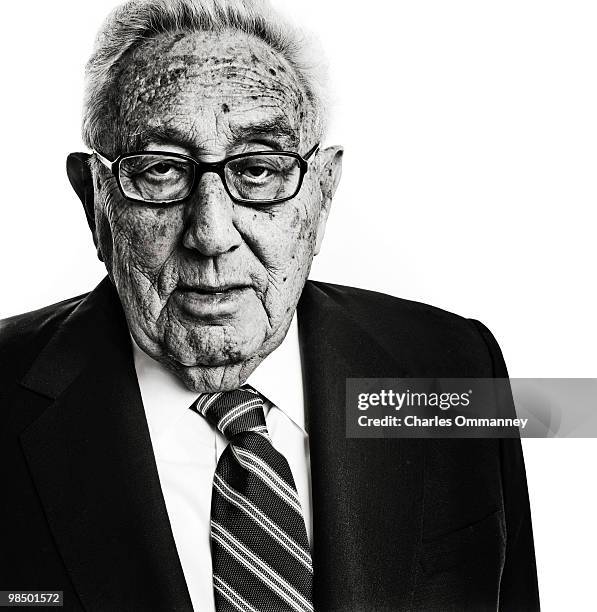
(256, 178)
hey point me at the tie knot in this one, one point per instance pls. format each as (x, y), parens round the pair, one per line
(233, 412)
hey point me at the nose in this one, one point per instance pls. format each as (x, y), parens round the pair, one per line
(210, 228)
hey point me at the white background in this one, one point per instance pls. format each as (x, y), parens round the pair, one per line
(469, 183)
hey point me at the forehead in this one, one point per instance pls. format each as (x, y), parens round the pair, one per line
(208, 90)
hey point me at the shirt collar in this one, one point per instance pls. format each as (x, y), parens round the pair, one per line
(278, 378)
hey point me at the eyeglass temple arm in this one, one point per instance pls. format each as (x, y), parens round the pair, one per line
(312, 152)
(104, 160)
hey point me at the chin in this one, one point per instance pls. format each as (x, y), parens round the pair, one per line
(212, 346)
(202, 379)
(216, 360)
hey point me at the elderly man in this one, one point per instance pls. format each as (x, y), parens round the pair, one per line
(175, 439)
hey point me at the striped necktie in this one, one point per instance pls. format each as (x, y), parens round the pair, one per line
(259, 547)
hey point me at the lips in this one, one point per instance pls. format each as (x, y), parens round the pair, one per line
(212, 289)
(211, 301)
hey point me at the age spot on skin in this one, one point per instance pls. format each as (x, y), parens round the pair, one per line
(296, 219)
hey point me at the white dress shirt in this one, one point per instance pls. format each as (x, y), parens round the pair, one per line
(187, 449)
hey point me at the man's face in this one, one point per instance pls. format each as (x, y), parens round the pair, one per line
(209, 287)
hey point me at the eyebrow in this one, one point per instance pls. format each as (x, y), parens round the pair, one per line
(272, 132)
(160, 135)
(275, 132)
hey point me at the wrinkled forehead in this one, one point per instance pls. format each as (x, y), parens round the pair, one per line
(209, 93)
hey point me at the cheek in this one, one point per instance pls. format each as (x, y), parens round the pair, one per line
(301, 224)
(284, 239)
(147, 237)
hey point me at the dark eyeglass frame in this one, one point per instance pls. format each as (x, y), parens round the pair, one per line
(201, 167)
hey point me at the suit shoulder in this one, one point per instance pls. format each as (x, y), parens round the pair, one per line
(369, 302)
(23, 336)
(368, 296)
(421, 330)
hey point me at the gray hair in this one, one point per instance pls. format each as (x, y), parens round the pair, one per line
(135, 21)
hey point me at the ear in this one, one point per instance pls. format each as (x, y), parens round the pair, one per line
(81, 180)
(329, 178)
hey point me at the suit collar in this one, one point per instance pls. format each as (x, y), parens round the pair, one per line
(96, 324)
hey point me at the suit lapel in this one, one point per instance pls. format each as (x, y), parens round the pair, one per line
(90, 456)
(367, 493)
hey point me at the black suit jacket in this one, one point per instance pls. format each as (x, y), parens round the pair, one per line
(397, 524)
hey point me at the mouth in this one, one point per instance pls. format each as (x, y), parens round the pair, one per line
(212, 289)
(210, 301)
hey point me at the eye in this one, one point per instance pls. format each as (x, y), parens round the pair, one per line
(256, 171)
(161, 169)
